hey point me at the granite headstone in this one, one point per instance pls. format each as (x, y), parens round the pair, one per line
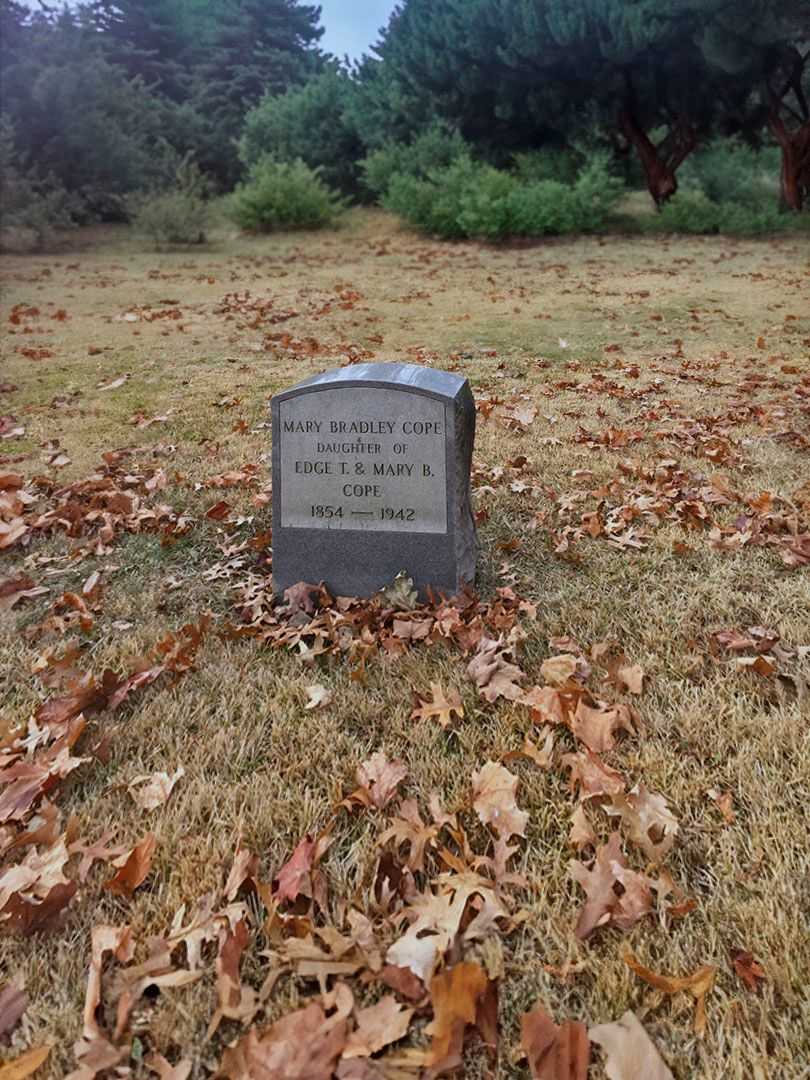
(371, 476)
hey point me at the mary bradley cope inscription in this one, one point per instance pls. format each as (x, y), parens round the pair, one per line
(373, 449)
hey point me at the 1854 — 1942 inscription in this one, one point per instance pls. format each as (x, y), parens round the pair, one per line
(371, 468)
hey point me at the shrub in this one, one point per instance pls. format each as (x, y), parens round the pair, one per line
(283, 195)
(693, 212)
(548, 163)
(32, 207)
(727, 170)
(307, 122)
(434, 148)
(471, 199)
(178, 215)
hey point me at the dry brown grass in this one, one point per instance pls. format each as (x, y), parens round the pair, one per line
(261, 768)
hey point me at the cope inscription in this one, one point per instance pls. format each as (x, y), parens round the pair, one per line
(369, 459)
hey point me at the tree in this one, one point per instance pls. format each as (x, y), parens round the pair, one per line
(522, 73)
(256, 47)
(310, 123)
(767, 49)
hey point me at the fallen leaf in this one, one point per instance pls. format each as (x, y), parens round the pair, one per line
(295, 871)
(378, 1026)
(699, 983)
(630, 1053)
(557, 670)
(155, 789)
(615, 895)
(13, 1003)
(456, 995)
(158, 1064)
(379, 778)
(596, 727)
(724, 801)
(133, 867)
(747, 968)
(493, 673)
(441, 707)
(631, 677)
(25, 1065)
(649, 822)
(494, 789)
(554, 1052)
(581, 834)
(593, 777)
(318, 697)
(304, 1045)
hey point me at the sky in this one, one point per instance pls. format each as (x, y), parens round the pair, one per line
(351, 26)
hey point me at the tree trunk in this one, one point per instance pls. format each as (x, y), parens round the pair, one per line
(660, 163)
(795, 174)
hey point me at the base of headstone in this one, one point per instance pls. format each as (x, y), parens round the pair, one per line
(371, 476)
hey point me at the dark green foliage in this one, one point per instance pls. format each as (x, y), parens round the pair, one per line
(729, 170)
(434, 148)
(307, 122)
(32, 207)
(176, 215)
(472, 199)
(283, 195)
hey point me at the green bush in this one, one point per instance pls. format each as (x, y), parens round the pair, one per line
(283, 195)
(307, 122)
(32, 207)
(727, 170)
(178, 215)
(434, 148)
(548, 163)
(471, 199)
(692, 212)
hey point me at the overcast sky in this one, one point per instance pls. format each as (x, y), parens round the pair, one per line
(351, 26)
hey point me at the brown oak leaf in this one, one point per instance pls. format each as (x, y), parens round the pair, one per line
(554, 1052)
(630, 1053)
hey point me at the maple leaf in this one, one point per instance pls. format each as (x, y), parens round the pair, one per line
(133, 868)
(649, 822)
(155, 789)
(457, 996)
(494, 789)
(442, 707)
(25, 1065)
(615, 895)
(304, 1045)
(493, 673)
(379, 779)
(629, 1051)
(699, 983)
(378, 1026)
(554, 1052)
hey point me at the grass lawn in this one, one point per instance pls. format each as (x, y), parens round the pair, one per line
(642, 481)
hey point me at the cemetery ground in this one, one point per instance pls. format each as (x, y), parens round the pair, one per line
(641, 485)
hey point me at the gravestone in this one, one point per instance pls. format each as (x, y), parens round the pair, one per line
(371, 476)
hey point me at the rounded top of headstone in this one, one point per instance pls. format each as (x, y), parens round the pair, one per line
(385, 375)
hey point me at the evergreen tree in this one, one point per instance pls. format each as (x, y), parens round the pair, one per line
(257, 47)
